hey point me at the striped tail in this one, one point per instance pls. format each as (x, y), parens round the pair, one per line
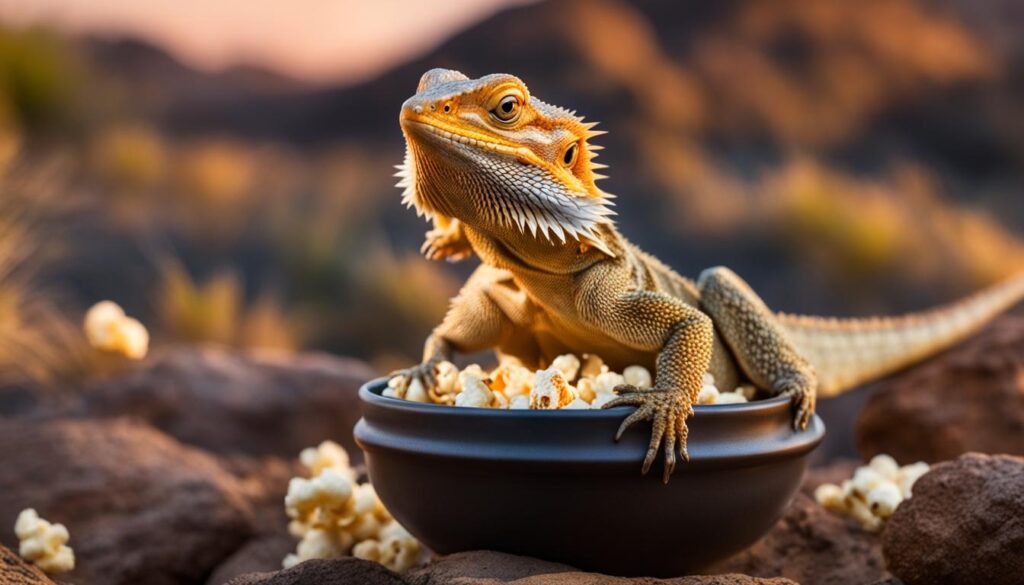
(848, 352)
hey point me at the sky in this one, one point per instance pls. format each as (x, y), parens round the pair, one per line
(315, 40)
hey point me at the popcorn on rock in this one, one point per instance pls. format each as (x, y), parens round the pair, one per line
(570, 382)
(874, 492)
(332, 515)
(108, 328)
(44, 544)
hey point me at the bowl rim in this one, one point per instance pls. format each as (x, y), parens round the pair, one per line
(370, 392)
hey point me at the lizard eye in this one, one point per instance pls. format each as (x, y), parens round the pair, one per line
(508, 109)
(569, 155)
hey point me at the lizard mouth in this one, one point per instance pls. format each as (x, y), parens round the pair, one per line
(455, 136)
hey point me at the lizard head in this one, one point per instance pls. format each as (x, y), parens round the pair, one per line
(488, 153)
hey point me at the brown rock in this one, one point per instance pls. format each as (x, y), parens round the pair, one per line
(263, 554)
(494, 568)
(16, 571)
(812, 546)
(231, 402)
(970, 398)
(344, 571)
(963, 526)
(140, 507)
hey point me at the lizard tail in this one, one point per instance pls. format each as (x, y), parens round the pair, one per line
(848, 352)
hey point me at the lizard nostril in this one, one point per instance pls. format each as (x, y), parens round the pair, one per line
(418, 109)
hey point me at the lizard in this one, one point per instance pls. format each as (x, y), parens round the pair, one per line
(512, 180)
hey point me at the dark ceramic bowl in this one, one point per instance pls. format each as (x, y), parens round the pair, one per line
(555, 485)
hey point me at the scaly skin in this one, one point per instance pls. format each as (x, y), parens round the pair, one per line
(511, 179)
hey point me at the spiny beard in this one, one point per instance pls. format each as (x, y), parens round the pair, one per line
(509, 194)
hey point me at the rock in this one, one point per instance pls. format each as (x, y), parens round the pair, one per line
(16, 571)
(493, 568)
(140, 507)
(232, 402)
(970, 398)
(262, 554)
(964, 524)
(812, 546)
(344, 571)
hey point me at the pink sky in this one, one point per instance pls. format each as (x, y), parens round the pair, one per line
(337, 40)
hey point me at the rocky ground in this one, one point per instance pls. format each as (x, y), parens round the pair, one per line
(175, 473)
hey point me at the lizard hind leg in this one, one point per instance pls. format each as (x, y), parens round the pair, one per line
(761, 348)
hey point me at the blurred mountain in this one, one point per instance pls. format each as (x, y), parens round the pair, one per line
(713, 110)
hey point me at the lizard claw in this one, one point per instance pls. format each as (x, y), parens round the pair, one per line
(667, 409)
(426, 373)
(444, 245)
(803, 404)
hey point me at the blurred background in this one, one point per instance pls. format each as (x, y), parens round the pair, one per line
(223, 169)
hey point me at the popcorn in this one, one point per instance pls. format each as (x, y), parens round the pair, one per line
(107, 328)
(730, 398)
(324, 456)
(607, 381)
(416, 392)
(513, 386)
(577, 404)
(568, 364)
(585, 389)
(447, 378)
(44, 544)
(333, 516)
(550, 390)
(874, 492)
(475, 392)
(707, 395)
(520, 402)
(512, 380)
(396, 550)
(638, 376)
(593, 366)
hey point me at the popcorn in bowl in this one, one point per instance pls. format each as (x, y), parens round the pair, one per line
(569, 383)
(873, 493)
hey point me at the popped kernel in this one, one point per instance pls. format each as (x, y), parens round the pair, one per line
(416, 391)
(730, 398)
(592, 367)
(447, 378)
(874, 492)
(108, 328)
(585, 388)
(475, 392)
(638, 376)
(708, 395)
(43, 544)
(607, 381)
(327, 454)
(520, 402)
(550, 390)
(568, 364)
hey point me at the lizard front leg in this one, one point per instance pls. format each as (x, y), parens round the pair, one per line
(447, 241)
(683, 338)
(759, 344)
(477, 319)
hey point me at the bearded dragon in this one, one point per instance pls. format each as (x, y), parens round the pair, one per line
(512, 180)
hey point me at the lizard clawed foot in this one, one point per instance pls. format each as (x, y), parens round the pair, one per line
(667, 409)
(803, 405)
(445, 244)
(425, 373)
